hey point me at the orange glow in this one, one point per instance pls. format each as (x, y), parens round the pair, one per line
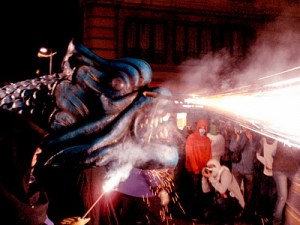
(268, 111)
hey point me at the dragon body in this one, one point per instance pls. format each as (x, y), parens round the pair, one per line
(94, 108)
(99, 121)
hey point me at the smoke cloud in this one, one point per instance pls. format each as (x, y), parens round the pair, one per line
(274, 56)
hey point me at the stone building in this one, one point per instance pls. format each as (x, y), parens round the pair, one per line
(170, 34)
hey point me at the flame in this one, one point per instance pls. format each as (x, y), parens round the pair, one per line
(272, 110)
(113, 182)
(114, 177)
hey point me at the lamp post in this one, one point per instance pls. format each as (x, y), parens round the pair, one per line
(47, 53)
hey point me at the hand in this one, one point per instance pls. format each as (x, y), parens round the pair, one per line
(164, 197)
(74, 221)
(249, 135)
(205, 173)
(238, 137)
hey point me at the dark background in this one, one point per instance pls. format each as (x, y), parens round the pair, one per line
(26, 26)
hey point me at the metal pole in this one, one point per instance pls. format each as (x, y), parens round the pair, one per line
(50, 64)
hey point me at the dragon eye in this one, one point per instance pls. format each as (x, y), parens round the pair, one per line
(118, 83)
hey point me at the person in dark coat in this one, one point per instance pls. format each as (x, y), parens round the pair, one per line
(22, 200)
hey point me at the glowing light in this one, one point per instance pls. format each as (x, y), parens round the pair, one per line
(269, 111)
(181, 120)
(47, 53)
(114, 177)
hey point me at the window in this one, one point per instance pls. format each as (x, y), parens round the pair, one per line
(245, 1)
(145, 39)
(196, 40)
(188, 42)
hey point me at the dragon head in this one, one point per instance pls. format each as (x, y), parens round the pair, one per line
(104, 114)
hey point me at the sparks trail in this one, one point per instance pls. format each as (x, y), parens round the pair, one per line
(269, 112)
(164, 181)
(270, 109)
(264, 82)
(280, 73)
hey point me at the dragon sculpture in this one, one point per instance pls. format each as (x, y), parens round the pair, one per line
(93, 106)
(98, 113)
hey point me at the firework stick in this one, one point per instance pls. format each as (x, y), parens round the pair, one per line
(98, 199)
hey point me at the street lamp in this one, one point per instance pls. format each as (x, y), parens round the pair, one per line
(47, 53)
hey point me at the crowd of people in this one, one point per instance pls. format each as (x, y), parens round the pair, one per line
(236, 174)
(225, 173)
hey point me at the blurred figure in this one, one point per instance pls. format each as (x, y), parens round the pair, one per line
(227, 131)
(142, 197)
(217, 141)
(285, 167)
(265, 189)
(180, 174)
(22, 200)
(269, 147)
(228, 201)
(243, 141)
(198, 152)
(186, 131)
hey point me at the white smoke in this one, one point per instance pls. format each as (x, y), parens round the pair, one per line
(129, 155)
(275, 50)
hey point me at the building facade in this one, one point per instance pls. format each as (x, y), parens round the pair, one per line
(168, 33)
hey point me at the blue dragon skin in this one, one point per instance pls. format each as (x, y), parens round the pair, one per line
(95, 110)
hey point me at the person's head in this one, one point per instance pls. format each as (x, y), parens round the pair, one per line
(213, 129)
(214, 165)
(202, 127)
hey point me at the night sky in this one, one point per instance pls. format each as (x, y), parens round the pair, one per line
(28, 25)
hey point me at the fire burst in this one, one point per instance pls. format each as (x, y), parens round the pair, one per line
(271, 109)
(165, 181)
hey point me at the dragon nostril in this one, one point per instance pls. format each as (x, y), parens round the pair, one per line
(117, 83)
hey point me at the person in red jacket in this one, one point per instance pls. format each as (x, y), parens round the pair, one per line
(198, 153)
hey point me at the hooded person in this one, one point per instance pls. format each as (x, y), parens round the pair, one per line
(228, 201)
(22, 200)
(197, 152)
(198, 148)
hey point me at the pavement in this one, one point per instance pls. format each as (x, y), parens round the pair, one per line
(181, 219)
(177, 221)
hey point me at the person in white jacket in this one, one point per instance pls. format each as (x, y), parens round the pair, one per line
(266, 158)
(228, 201)
(217, 141)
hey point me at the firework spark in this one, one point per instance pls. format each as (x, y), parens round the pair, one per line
(164, 180)
(272, 109)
